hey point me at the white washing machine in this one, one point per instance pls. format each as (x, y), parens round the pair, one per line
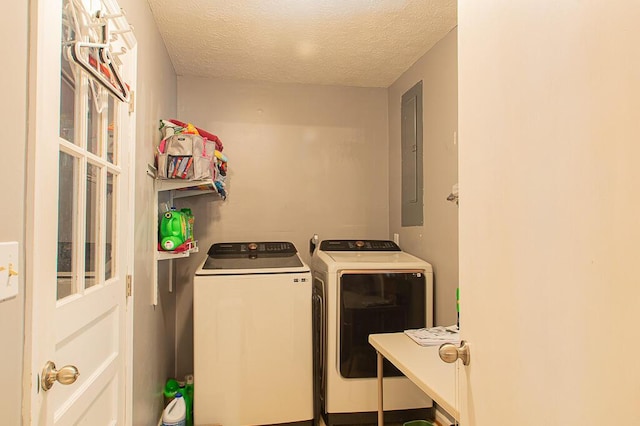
(361, 288)
(252, 336)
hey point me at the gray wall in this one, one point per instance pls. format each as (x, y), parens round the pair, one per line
(13, 110)
(303, 159)
(437, 240)
(154, 331)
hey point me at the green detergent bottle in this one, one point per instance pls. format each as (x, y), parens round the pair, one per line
(173, 229)
(189, 389)
(188, 402)
(170, 390)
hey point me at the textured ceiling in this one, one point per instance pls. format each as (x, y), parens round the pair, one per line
(367, 43)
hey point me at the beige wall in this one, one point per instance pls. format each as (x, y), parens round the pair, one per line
(437, 240)
(154, 328)
(303, 160)
(13, 110)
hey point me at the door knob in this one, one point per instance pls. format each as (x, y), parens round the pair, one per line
(450, 353)
(65, 376)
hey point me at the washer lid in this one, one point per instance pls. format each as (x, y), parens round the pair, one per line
(249, 256)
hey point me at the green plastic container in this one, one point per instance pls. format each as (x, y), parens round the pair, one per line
(173, 229)
(418, 423)
(188, 402)
(189, 388)
(170, 390)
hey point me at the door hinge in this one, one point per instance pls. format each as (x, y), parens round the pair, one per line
(129, 285)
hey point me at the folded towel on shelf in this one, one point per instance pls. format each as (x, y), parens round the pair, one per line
(434, 336)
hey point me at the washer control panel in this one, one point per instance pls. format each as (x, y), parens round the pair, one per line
(248, 248)
(358, 245)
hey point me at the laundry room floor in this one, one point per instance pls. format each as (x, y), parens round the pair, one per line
(375, 424)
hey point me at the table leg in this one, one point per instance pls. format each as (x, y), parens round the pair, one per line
(380, 390)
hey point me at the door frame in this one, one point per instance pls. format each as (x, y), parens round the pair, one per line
(130, 243)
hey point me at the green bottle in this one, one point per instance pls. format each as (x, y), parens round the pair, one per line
(170, 390)
(189, 389)
(173, 230)
(188, 401)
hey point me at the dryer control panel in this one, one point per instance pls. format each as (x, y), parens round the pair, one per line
(358, 245)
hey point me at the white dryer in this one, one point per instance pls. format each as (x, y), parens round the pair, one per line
(361, 288)
(252, 336)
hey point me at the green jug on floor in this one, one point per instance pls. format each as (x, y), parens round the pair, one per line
(170, 390)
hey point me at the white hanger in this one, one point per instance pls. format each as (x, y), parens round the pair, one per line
(100, 66)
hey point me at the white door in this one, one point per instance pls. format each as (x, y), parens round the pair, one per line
(549, 122)
(78, 224)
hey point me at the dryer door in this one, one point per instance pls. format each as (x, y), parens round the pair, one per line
(373, 301)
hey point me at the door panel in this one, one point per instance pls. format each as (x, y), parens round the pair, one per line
(94, 350)
(79, 221)
(549, 213)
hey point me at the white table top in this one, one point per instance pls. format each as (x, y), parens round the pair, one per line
(423, 366)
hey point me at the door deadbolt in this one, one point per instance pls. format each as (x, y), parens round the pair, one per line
(65, 376)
